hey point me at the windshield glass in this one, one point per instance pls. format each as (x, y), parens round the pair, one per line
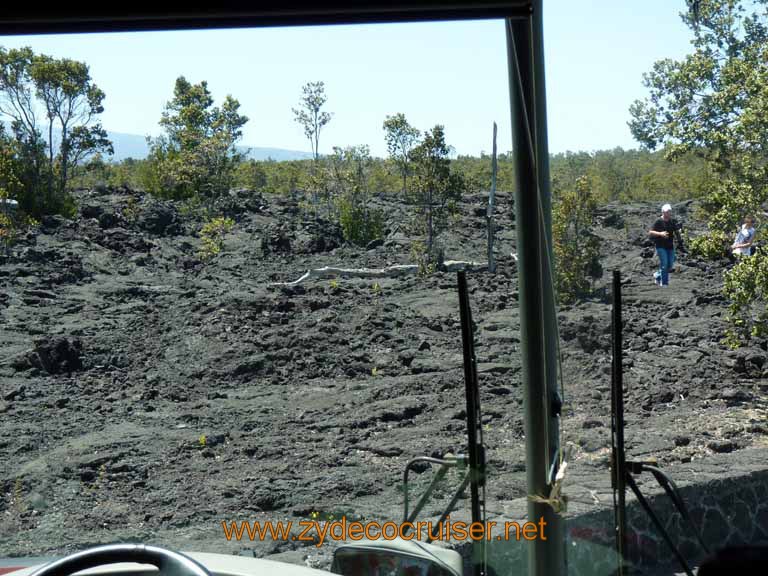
(162, 374)
(230, 311)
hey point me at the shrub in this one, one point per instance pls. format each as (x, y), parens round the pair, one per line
(197, 155)
(426, 262)
(576, 248)
(711, 246)
(7, 232)
(131, 210)
(746, 285)
(12, 224)
(436, 189)
(359, 224)
(212, 236)
(345, 186)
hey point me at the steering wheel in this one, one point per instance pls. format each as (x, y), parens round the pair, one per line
(168, 562)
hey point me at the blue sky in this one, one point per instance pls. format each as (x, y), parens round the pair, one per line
(452, 73)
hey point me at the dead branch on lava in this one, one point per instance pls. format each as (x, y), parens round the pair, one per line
(389, 272)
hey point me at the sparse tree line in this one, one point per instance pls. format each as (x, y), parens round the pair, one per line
(197, 160)
(707, 114)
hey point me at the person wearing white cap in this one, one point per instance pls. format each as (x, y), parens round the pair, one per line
(662, 233)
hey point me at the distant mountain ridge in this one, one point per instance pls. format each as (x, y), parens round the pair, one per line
(135, 146)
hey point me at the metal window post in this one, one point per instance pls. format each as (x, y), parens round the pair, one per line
(537, 308)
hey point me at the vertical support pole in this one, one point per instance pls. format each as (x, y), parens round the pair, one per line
(551, 332)
(535, 283)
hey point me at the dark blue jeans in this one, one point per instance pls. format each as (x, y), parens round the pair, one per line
(666, 261)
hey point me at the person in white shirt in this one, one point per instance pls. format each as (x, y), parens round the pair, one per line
(742, 246)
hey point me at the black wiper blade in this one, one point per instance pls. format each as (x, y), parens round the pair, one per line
(476, 450)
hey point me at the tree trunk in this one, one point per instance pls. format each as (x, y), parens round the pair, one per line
(317, 137)
(429, 223)
(492, 206)
(50, 161)
(315, 199)
(64, 153)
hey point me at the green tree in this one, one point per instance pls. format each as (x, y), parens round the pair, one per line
(10, 166)
(71, 102)
(714, 103)
(477, 172)
(746, 286)
(285, 178)
(436, 188)
(11, 188)
(17, 102)
(401, 137)
(576, 248)
(350, 172)
(251, 174)
(313, 118)
(310, 114)
(198, 154)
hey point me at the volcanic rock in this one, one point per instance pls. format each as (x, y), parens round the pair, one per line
(53, 355)
(160, 218)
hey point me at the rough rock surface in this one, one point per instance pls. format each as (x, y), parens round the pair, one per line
(146, 395)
